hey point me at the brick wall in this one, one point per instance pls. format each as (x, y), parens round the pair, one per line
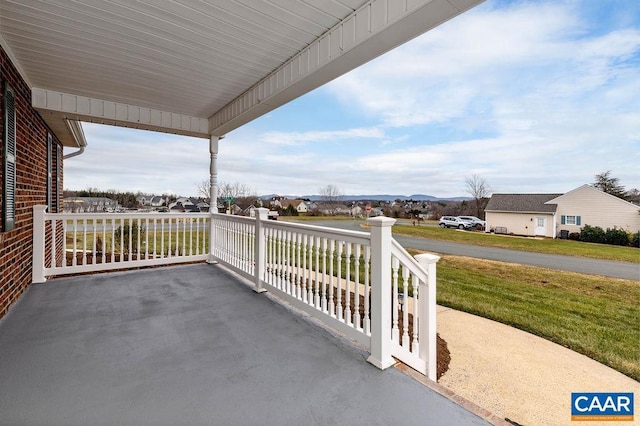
(16, 246)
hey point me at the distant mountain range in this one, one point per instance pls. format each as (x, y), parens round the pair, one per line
(376, 197)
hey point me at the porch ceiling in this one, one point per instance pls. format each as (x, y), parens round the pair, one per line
(196, 67)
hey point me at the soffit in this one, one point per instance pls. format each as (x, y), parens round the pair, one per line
(187, 57)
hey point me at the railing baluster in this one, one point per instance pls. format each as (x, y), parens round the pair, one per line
(367, 290)
(414, 341)
(395, 264)
(347, 289)
(356, 296)
(316, 301)
(340, 309)
(93, 245)
(332, 305)
(53, 243)
(84, 242)
(308, 240)
(325, 308)
(405, 307)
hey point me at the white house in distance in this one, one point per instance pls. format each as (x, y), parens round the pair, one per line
(553, 215)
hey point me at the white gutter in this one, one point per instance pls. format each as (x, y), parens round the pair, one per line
(78, 134)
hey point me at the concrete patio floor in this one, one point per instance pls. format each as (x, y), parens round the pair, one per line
(191, 345)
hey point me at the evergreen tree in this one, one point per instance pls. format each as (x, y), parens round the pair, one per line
(609, 184)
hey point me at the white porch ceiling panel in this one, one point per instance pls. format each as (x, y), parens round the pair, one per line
(169, 65)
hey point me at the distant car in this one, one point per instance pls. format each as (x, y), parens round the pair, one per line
(455, 222)
(479, 223)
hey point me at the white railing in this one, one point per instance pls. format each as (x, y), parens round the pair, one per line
(363, 284)
(68, 243)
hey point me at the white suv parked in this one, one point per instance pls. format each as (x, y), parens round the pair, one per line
(478, 223)
(455, 222)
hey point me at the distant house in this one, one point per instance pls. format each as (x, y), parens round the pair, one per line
(89, 205)
(554, 215)
(184, 205)
(301, 206)
(157, 201)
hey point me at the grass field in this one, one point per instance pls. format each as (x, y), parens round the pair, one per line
(546, 245)
(598, 317)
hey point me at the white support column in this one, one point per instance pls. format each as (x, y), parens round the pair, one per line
(213, 191)
(381, 292)
(37, 267)
(427, 315)
(260, 249)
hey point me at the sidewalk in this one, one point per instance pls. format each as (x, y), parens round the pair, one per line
(519, 376)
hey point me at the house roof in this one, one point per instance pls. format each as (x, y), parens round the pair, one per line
(528, 203)
(590, 188)
(196, 68)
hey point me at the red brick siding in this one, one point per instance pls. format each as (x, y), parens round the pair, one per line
(16, 246)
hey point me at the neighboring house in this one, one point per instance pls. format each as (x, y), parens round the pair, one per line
(157, 201)
(89, 205)
(587, 205)
(521, 214)
(554, 215)
(300, 205)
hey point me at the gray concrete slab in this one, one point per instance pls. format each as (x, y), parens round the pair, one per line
(191, 345)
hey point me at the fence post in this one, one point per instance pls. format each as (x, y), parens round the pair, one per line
(427, 315)
(381, 292)
(260, 249)
(38, 266)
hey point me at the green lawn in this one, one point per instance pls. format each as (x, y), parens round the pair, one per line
(546, 245)
(598, 317)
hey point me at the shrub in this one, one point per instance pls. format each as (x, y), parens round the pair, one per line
(574, 236)
(616, 237)
(635, 240)
(592, 234)
(122, 233)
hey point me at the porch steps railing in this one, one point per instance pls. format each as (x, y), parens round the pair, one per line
(365, 285)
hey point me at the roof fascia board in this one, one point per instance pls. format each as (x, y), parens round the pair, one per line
(375, 28)
(81, 108)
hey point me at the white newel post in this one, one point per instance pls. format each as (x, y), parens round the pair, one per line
(427, 315)
(381, 292)
(260, 247)
(213, 192)
(37, 267)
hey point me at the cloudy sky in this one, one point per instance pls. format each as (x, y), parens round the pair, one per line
(530, 96)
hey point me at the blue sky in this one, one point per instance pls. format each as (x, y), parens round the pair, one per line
(531, 96)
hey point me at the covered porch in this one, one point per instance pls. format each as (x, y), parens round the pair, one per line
(192, 344)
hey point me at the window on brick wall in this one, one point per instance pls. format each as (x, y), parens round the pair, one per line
(8, 158)
(58, 197)
(50, 172)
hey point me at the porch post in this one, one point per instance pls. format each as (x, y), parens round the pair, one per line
(37, 267)
(381, 292)
(213, 192)
(260, 250)
(427, 315)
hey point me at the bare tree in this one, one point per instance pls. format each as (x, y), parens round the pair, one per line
(241, 194)
(479, 189)
(330, 195)
(204, 189)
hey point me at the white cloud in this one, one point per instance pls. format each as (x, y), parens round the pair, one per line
(297, 138)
